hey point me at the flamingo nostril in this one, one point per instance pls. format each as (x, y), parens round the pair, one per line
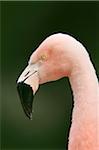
(27, 73)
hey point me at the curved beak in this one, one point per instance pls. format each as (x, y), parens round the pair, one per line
(27, 85)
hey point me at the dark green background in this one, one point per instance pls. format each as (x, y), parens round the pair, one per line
(24, 26)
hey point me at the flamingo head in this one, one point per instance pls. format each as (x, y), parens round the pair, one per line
(48, 63)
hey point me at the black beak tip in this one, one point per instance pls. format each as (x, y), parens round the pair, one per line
(26, 97)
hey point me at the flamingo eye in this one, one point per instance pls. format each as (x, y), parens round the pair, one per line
(43, 57)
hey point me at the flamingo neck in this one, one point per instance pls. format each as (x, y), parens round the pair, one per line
(85, 123)
(84, 84)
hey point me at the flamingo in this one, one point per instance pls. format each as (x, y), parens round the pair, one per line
(61, 55)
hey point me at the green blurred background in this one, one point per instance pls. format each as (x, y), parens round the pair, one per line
(24, 26)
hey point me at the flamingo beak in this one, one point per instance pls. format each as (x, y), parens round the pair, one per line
(27, 85)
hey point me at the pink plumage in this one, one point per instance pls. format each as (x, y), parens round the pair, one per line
(61, 55)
